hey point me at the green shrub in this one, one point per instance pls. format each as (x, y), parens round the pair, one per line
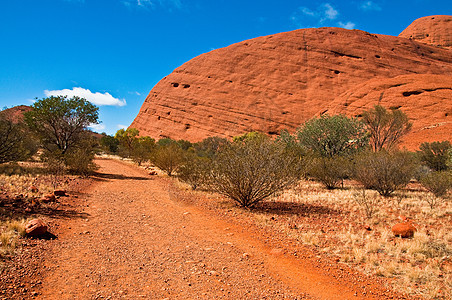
(435, 155)
(79, 160)
(385, 171)
(248, 172)
(329, 171)
(330, 136)
(16, 142)
(168, 157)
(194, 171)
(439, 183)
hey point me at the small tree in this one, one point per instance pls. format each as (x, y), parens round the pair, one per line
(248, 172)
(385, 171)
(15, 141)
(386, 128)
(435, 155)
(142, 149)
(329, 136)
(60, 122)
(127, 140)
(210, 146)
(109, 143)
(79, 159)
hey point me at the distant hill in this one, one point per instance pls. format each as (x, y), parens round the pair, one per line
(280, 81)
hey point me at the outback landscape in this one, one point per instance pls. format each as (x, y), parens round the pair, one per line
(311, 164)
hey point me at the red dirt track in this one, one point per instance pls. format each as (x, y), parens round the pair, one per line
(139, 240)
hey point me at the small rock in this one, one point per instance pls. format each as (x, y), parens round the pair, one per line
(153, 173)
(60, 193)
(367, 227)
(48, 198)
(34, 189)
(404, 230)
(35, 228)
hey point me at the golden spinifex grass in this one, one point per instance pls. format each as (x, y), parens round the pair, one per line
(10, 233)
(335, 223)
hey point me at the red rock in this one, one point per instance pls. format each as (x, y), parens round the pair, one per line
(404, 230)
(35, 228)
(153, 173)
(433, 30)
(34, 189)
(280, 81)
(60, 193)
(48, 198)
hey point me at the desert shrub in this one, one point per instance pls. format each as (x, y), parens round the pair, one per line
(79, 160)
(330, 136)
(248, 172)
(109, 143)
(435, 155)
(210, 146)
(16, 142)
(439, 183)
(195, 171)
(369, 203)
(250, 136)
(384, 171)
(329, 171)
(168, 157)
(386, 128)
(142, 149)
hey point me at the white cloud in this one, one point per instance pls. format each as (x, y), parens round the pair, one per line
(329, 12)
(370, 5)
(120, 126)
(151, 4)
(95, 98)
(348, 25)
(97, 127)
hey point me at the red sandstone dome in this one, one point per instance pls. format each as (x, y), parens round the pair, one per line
(433, 30)
(280, 81)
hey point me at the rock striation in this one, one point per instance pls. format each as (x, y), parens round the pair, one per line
(280, 81)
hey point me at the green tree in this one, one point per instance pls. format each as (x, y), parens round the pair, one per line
(386, 128)
(127, 139)
(60, 122)
(210, 146)
(435, 155)
(142, 149)
(109, 143)
(329, 136)
(16, 142)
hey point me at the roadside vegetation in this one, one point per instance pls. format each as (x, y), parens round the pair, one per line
(337, 184)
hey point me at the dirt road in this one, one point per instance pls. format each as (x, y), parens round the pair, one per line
(138, 242)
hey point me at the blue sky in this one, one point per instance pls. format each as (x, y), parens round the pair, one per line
(113, 52)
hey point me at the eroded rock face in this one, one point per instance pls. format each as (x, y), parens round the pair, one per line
(426, 99)
(433, 30)
(278, 82)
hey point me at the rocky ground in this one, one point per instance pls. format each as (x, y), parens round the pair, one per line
(136, 236)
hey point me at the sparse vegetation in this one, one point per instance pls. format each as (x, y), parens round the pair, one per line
(250, 171)
(16, 142)
(168, 157)
(439, 183)
(435, 155)
(385, 171)
(331, 136)
(386, 128)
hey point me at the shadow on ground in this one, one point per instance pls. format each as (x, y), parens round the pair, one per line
(290, 208)
(103, 177)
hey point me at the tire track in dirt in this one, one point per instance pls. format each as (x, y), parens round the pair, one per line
(139, 243)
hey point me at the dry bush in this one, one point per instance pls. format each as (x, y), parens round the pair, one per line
(439, 183)
(384, 171)
(169, 157)
(369, 203)
(194, 171)
(329, 171)
(248, 172)
(10, 233)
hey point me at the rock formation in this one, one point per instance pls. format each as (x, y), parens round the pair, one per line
(433, 30)
(280, 81)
